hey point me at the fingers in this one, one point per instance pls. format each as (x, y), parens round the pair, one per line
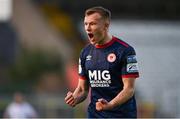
(69, 95)
(100, 100)
(69, 92)
(103, 101)
(99, 106)
(69, 99)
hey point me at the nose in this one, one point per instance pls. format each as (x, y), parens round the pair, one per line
(88, 27)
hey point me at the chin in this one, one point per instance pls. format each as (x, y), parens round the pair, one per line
(93, 43)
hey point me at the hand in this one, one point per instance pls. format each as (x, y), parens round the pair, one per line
(69, 99)
(102, 104)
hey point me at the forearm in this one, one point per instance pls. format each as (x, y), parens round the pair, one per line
(122, 97)
(79, 95)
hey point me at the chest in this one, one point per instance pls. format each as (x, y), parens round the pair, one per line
(19, 110)
(99, 59)
(103, 67)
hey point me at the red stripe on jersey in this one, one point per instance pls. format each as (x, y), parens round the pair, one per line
(82, 77)
(106, 44)
(121, 42)
(131, 75)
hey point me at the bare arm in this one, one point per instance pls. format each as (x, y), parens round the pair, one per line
(79, 94)
(81, 91)
(122, 97)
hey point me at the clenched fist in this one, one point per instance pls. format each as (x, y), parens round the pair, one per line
(101, 104)
(69, 99)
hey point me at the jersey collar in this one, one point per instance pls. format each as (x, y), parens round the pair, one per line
(106, 44)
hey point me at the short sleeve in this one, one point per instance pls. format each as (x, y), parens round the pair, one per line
(129, 64)
(81, 68)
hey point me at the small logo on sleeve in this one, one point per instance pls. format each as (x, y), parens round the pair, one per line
(132, 67)
(131, 59)
(111, 57)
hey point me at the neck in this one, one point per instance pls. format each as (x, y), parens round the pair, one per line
(106, 39)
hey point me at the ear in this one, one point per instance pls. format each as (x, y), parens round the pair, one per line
(106, 26)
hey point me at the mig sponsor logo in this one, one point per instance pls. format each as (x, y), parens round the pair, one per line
(99, 78)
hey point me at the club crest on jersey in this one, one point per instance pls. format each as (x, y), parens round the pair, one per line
(111, 57)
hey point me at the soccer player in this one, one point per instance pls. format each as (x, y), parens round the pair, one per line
(108, 66)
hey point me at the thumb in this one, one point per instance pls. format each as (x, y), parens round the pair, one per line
(102, 101)
(69, 93)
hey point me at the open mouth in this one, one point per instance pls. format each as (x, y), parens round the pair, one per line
(90, 35)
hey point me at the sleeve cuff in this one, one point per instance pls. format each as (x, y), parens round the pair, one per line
(82, 77)
(130, 75)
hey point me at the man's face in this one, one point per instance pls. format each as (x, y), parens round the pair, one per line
(96, 28)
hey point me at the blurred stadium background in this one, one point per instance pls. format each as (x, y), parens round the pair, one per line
(40, 41)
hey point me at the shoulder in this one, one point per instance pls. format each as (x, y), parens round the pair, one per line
(123, 47)
(27, 104)
(86, 49)
(12, 104)
(122, 44)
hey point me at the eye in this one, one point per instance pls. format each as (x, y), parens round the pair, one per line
(93, 23)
